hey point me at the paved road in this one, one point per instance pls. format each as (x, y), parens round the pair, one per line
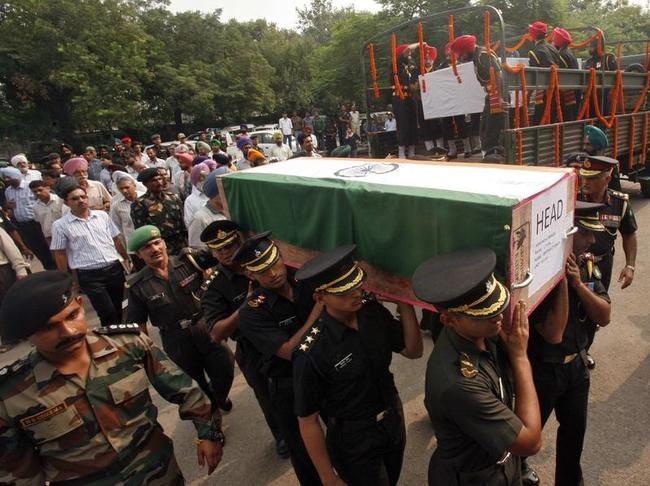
(617, 451)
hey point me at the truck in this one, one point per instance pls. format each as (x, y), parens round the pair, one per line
(552, 144)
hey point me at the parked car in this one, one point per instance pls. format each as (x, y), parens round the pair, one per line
(266, 140)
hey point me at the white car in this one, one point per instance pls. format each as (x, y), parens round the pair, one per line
(266, 140)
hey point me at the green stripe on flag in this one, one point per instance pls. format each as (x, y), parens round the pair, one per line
(395, 228)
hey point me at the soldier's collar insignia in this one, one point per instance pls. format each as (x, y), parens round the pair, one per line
(314, 331)
(257, 301)
(467, 367)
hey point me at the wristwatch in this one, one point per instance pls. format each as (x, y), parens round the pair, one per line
(214, 436)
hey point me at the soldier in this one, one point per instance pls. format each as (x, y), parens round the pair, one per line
(493, 117)
(167, 291)
(570, 98)
(342, 368)
(616, 216)
(404, 104)
(161, 209)
(430, 130)
(273, 319)
(543, 55)
(601, 61)
(561, 328)
(472, 378)
(77, 409)
(226, 290)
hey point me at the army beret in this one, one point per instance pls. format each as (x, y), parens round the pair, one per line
(597, 138)
(258, 253)
(148, 174)
(462, 282)
(19, 317)
(142, 236)
(333, 272)
(220, 234)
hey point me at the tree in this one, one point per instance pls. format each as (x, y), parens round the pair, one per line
(318, 20)
(410, 9)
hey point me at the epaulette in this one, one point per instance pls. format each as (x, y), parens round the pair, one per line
(309, 338)
(12, 369)
(620, 195)
(117, 329)
(467, 368)
(208, 281)
(257, 301)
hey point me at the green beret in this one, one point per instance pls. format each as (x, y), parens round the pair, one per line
(142, 236)
(597, 138)
(341, 151)
(19, 317)
(147, 174)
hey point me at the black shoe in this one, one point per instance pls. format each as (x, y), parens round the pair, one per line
(528, 476)
(591, 362)
(452, 157)
(226, 406)
(282, 449)
(467, 155)
(439, 151)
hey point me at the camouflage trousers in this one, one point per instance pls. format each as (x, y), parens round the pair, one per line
(153, 465)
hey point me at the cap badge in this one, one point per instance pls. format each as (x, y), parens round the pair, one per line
(221, 235)
(64, 298)
(257, 253)
(586, 164)
(466, 367)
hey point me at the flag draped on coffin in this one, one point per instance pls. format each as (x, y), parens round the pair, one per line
(398, 215)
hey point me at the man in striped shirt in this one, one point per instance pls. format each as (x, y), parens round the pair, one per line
(87, 242)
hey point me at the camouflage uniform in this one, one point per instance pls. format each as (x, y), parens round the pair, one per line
(102, 432)
(165, 211)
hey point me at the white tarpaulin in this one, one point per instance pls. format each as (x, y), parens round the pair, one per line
(445, 96)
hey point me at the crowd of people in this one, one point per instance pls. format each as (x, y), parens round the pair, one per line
(143, 235)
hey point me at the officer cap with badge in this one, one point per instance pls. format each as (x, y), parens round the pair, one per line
(462, 282)
(142, 236)
(52, 292)
(333, 272)
(595, 165)
(220, 234)
(587, 217)
(258, 253)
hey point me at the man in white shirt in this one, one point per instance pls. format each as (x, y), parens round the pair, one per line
(196, 199)
(280, 151)
(211, 211)
(48, 208)
(390, 125)
(87, 242)
(153, 160)
(286, 127)
(21, 163)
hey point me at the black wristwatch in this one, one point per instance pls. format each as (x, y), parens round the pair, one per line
(214, 436)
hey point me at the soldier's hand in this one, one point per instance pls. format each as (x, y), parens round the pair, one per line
(515, 335)
(573, 271)
(211, 452)
(626, 277)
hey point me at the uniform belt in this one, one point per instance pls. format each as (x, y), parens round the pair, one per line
(182, 323)
(336, 421)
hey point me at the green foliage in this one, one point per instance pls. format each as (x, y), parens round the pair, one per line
(74, 66)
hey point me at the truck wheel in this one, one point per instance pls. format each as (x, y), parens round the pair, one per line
(645, 189)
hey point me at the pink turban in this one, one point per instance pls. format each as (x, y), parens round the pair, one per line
(74, 164)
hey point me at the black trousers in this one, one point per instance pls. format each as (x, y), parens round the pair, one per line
(32, 235)
(249, 361)
(564, 388)
(369, 453)
(492, 125)
(105, 290)
(197, 355)
(282, 400)
(407, 121)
